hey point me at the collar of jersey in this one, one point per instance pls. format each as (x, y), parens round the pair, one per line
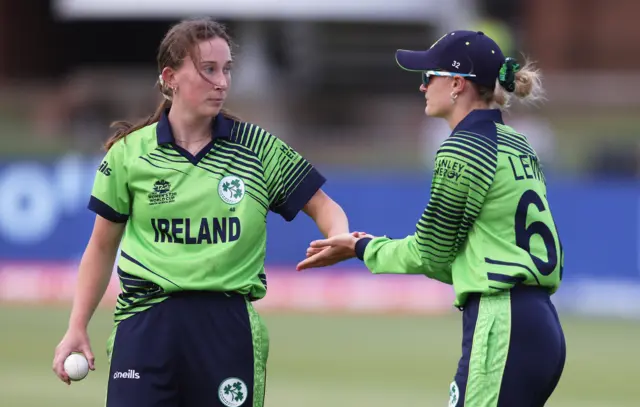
(478, 116)
(221, 128)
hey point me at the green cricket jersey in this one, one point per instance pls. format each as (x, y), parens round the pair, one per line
(488, 225)
(197, 222)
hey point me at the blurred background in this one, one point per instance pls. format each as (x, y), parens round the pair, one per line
(322, 76)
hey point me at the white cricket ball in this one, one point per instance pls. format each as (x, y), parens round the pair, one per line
(76, 366)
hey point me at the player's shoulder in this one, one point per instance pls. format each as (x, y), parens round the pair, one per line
(509, 133)
(503, 128)
(136, 142)
(469, 149)
(254, 137)
(484, 135)
(470, 145)
(243, 130)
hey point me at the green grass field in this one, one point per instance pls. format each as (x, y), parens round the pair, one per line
(332, 361)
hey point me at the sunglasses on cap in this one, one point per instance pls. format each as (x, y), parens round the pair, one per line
(426, 75)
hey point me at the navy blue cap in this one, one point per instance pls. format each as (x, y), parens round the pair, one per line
(462, 51)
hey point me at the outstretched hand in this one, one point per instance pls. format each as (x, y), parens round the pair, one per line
(327, 252)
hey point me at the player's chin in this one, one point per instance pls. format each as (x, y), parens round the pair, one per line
(429, 110)
(432, 110)
(211, 107)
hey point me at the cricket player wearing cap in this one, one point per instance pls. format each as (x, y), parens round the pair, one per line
(488, 229)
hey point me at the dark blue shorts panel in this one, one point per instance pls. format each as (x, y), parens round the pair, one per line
(143, 361)
(190, 350)
(536, 354)
(217, 347)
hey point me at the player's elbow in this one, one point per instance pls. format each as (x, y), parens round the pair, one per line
(425, 262)
(435, 265)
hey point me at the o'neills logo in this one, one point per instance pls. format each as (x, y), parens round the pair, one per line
(130, 374)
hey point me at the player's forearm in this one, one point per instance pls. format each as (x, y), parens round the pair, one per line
(94, 274)
(333, 221)
(329, 217)
(387, 256)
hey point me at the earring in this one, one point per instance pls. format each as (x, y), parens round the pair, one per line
(454, 96)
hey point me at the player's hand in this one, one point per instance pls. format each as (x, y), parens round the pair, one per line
(312, 251)
(327, 252)
(75, 340)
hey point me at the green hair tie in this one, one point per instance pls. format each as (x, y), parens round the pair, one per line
(507, 75)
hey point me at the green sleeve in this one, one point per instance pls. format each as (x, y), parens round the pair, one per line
(464, 170)
(110, 196)
(392, 256)
(291, 179)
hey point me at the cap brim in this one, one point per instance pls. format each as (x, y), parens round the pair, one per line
(415, 61)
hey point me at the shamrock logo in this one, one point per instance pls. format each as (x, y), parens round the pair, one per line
(232, 392)
(235, 390)
(231, 189)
